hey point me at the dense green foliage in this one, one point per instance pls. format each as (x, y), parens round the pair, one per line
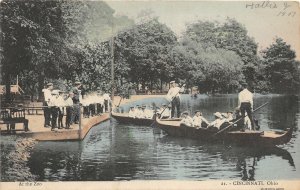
(63, 41)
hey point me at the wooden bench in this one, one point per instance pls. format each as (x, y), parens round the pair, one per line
(12, 116)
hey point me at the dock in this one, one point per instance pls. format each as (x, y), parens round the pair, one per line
(38, 132)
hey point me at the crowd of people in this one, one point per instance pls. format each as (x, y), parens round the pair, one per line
(238, 119)
(221, 120)
(58, 103)
(141, 111)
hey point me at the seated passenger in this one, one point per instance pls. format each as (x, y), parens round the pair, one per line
(143, 112)
(228, 116)
(219, 120)
(237, 120)
(199, 120)
(131, 112)
(138, 112)
(186, 119)
(150, 112)
(165, 112)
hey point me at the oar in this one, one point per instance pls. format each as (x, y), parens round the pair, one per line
(239, 119)
(168, 104)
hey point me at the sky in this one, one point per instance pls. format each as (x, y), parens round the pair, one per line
(264, 21)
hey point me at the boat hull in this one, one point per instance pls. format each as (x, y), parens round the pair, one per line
(124, 119)
(248, 138)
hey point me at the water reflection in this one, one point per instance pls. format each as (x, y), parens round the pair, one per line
(112, 151)
(245, 158)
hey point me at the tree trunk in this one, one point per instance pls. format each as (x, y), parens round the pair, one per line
(41, 83)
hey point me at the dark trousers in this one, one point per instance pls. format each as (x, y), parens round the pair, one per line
(76, 113)
(47, 114)
(99, 108)
(246, 107)
(69, 113)
(106, 105)
(54, 113)
(175, 103)
(86, 111)
(92, 109)
(60, 117)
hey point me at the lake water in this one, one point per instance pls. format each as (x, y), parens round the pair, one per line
(113, 151)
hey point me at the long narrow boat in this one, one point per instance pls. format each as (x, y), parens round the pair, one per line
(124, 118)
(249, 138)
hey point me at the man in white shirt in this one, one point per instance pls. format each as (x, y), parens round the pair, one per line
(47, 110)
(198, 119)
(54, 108)
(150, 112)
(174, 96)
(186, 119)
(246, 103)
(107, 99)
(131, 112)
(219, 120)
(69, 109)
(61, 109)
(144, 112)
(138, 112)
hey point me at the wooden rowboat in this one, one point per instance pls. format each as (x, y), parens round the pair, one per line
(249, 138)
(124, 118)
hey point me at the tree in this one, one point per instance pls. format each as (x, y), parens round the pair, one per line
(209, 68)
(281, 69)
(144, 50)
(231, 36)
(45, 38)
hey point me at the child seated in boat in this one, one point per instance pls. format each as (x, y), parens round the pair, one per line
(186, 119)
(164, 112)
(131, 112)
(199, 120)
(219, 120)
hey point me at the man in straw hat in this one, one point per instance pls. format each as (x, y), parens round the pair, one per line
(219, 120)
(186, 119)
(198, 119)
(69, 109)
(174, 96)
(47, 110)
(76, 101)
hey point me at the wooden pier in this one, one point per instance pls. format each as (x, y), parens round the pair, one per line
(39, 132)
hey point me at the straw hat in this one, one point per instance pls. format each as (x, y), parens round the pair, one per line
(218, 114)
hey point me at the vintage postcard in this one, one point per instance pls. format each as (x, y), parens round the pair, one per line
(150, 94)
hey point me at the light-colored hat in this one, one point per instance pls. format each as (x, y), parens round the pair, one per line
(55, 92)
(50, 84)
(173, 81)
(77, 83)
(185, 113)
(224, 114)
(218, 114)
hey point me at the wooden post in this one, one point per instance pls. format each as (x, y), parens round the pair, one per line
(79, 122)
(112, 66)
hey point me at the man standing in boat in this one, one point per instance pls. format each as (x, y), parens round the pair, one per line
(174, 97)
(246, 103)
